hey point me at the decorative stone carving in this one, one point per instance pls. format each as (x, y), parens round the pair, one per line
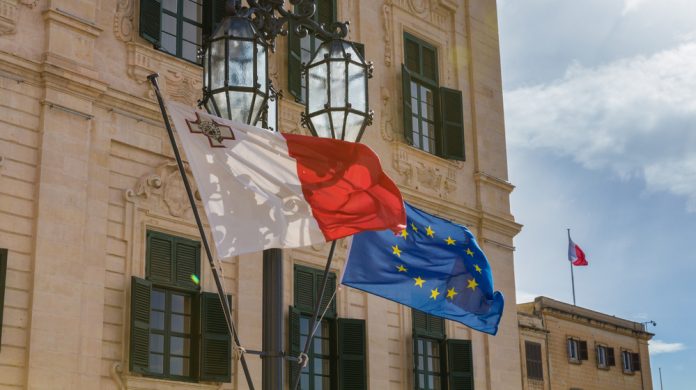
(387, 114)
(30, 3)
(166, 183)
(420, 6)
(123, 20)
(116, 373)
(8, 16)
(388, 31)
(424, 172)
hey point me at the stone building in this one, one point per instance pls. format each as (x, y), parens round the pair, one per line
(569, 347)
(97, 239)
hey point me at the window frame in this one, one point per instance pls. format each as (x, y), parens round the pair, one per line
(573, 345)
(626, 361)
(441, 374)
(601, 350)
(528, 360)
(429, 334)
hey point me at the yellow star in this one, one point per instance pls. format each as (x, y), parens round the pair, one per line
(450, 241)
(396, 250)
(434, 293)
(419, 281)
(413, 226)
(401, 268)
(404, 234)
(430, 232)
(469, 252)
(478, 269)
(451, 293)
(472, 284)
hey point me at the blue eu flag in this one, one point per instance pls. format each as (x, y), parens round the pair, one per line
(433, 265)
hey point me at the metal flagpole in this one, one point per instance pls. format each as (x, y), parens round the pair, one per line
(572, 276)
(223, 301)
(660, 368)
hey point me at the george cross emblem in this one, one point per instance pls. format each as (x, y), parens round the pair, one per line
(216, 132)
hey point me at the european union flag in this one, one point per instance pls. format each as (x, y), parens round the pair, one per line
(433, 265)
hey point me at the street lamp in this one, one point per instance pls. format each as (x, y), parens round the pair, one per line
(236, 86)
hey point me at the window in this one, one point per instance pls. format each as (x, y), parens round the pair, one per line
(535, 368)
(437, 360)
(577, 350)
(3, 277)
(631, 362)
(177, 332)
(337, 353)
(433, 115)
(605, 356)
(178, 27)
(300, 50)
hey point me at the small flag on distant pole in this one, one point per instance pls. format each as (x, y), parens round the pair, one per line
(575, 254)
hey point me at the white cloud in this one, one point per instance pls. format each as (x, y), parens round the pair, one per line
(524, 296)
(632, 5)
(659, 346)
(635, 116)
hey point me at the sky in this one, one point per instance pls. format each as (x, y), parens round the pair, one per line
(600, 111)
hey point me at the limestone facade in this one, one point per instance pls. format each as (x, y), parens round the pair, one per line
(86, 169)
(549, 324)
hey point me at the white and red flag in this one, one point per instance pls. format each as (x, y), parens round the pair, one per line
(262, 189)
(575, 254)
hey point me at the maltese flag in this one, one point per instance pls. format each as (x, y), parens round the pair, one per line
(575, 254)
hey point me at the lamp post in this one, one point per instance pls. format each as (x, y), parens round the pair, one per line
(236, 86)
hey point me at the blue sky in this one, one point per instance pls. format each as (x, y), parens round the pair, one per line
(600, 107)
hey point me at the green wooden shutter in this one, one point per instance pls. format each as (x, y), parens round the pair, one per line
(187, 255)
(407, 106)
(635, 361)
(611, 358)
(428, 325)
(460, 365)
(160, 255)
(582, 350)
(140, 325)
(451, 124)
(213, 13)
(216, 348)
(304, 289)
(294, 340)
(352, 368)
(436, 327)
(326, 11)
(3, 278)
(150, 20)
(420, 322)
(328, 293)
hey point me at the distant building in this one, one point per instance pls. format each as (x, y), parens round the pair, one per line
(572, 348)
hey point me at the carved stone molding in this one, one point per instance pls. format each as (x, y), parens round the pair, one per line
(180, 81)
(123, 20)
(8, 16)
(387, 114)
(426, 173)
(290, 118)
(163, 185)
(116, 373)
(420, 7)
(388, 23)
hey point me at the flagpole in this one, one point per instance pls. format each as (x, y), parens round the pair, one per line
(572, 275)
(221, 294)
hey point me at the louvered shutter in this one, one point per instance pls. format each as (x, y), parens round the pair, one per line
(160, 255)
(611, 358)
(407, 106)
(151, 21)
(294, 340)
(533, 359)
(582, 347)
(352, 370)
(451, 124)
(214, 12)
(635, 361)
(141, 290)
(436, 327)
(420, 322)
(328, 293)
(304, 289)
(3, 278)
(216, 348)
(187, 254)
(460, 365)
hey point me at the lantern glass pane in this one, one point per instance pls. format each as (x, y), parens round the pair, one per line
(259, 103)
(353, 127)
(262, 70)
(357, 94)
(217, 64)
(272, 116)
(350, 50)
(240, 105)
(318, 88)
(206, 70)
(338, 83)
(338, 118)
(241, 63)
(322, 125)
(221, 103)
